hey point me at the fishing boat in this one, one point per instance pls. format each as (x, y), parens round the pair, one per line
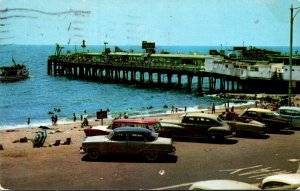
(13, 73)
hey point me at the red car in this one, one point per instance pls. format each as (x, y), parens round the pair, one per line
(151, 124)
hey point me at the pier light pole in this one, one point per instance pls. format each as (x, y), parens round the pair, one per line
(291, 51)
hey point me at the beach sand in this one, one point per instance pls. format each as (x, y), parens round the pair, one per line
(19, 158)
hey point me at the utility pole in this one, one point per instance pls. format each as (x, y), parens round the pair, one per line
(291, 58)
(291, 53)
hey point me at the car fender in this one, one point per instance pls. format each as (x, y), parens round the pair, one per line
(218, 131)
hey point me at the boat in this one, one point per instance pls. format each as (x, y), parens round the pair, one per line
(13, 73)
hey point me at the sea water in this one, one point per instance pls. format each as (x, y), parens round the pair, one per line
(41, 94)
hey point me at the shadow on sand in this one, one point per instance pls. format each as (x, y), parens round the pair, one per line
(283, 132)
(131, 159)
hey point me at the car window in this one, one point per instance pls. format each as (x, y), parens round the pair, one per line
(269, 185)
(268, 115)
(188, 120)
(251, 113)
(119, 136)
(136, 137)
(289, 112)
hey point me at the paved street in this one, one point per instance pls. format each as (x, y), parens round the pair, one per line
(242, 159)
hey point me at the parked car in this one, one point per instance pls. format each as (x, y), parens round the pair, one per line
(128, 141)
(247, 126)
(290, 113)
(222, 185)
(196, 125)
(273, 122)
(151, 124)
(281, 180)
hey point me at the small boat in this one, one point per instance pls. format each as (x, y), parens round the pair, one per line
(13, 73)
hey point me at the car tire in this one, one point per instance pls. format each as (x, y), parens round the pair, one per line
(93, 154)
(151, 156)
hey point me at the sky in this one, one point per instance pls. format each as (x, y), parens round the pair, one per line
(165, 22)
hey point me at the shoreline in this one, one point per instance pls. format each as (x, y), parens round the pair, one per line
(248, 103)
(248, 98)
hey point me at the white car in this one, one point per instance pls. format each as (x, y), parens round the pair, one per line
(291, 113)
(222, 185)
(281, 180)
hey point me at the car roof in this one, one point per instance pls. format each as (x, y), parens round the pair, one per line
(196, 114)
(222, 185)
(136, 121)
(260, 110)
(132, 130)
(293, 178)
(290, 108)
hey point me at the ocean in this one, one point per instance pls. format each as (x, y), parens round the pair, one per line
(40, 94)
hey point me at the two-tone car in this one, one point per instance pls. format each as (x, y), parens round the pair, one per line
(128, 141)
(196, 125)
(291, 113)
(273, 122)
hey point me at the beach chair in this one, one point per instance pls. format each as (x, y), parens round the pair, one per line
(39, 138)
(67, 142)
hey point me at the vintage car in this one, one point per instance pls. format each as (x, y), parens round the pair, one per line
(151, 124)
(196, 125)
(247, 126)
(281, 180)
(128, 141)
(273, 122)
(222, 185)
(290, 113)
(278, 182)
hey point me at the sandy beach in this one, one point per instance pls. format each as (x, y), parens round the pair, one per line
(19, 158)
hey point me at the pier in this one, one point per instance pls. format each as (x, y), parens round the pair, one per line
(163, 70)
(156, 70)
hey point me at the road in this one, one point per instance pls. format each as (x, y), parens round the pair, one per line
(243, 159)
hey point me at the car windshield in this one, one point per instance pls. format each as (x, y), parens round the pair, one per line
(110, 135)
(151, 137)
(220, 120)
(157, 126)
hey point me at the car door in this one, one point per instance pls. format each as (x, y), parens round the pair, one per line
(136, 143)
(117, 144)
(189, 124)
(199, 129)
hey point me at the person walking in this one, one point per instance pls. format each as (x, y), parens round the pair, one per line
(74, 117)
(213, 108)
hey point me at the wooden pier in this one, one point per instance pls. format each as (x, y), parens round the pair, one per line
(164, 70)
(146, 70)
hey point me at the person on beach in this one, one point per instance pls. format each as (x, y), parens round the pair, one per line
(213, 108)
(28, 120)
(74, 117)
(126, 115)
(53, 119)
(81, 117)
